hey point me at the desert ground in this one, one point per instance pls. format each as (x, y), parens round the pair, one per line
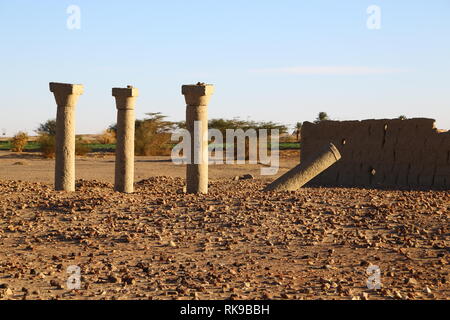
(237, 242)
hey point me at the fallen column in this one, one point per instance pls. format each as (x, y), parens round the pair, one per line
(197, 98)
(124, 170)
(66, 96)
(306, 171)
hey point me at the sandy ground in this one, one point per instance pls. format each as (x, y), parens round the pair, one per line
(237, 242)
(31, 167)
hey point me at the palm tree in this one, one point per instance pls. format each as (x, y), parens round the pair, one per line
(298, 128)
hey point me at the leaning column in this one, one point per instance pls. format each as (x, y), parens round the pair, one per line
(66, 96)
(125, 102)
(197, 99)
(306, 170)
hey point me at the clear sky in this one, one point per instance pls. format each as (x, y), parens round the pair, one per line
(282, 61)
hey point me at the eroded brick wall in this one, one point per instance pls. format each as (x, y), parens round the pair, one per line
(382, 153)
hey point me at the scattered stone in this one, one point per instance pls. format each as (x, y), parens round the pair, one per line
(114, 278)
(287, 244)
(7, 292)
(397, 294)
(172, 244)
(412, 282)
(56, 283)
(364, 263)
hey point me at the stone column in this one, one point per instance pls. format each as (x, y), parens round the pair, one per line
(66, 96)
(306, 170)
(197, 99)
(125, 102)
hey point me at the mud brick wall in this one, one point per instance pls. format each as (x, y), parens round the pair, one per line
(381, 153)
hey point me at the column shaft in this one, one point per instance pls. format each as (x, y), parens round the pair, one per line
(197, 99)
(66, 96)
(306, 170)
(197, 168)
(124, 167)
(65, 149)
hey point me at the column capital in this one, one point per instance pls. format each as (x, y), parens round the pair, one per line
(66, 88)
(127, 92)
(197, 94)
(125, 97)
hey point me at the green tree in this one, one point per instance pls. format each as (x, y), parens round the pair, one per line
(48, 127)
(322, 116)
(223, 124)
(152, 134)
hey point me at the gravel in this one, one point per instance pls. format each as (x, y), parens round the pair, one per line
(237, 242)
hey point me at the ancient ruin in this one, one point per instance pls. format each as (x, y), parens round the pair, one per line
(124, 169)
(306, 170)
(382, 153)
(66, 96)
(197, 99)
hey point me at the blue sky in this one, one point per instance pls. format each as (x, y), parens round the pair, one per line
(282, 61)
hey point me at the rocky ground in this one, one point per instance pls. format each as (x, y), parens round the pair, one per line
(235, 243)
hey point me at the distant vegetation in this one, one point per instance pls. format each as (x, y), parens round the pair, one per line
(154, 132)
(19, 141)
(223, 124)
(298, 130)
(46, 140)
(30, 146)
(48, 128)
(47, 145)
(152, 137)
(322, 116)
(107, 137)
